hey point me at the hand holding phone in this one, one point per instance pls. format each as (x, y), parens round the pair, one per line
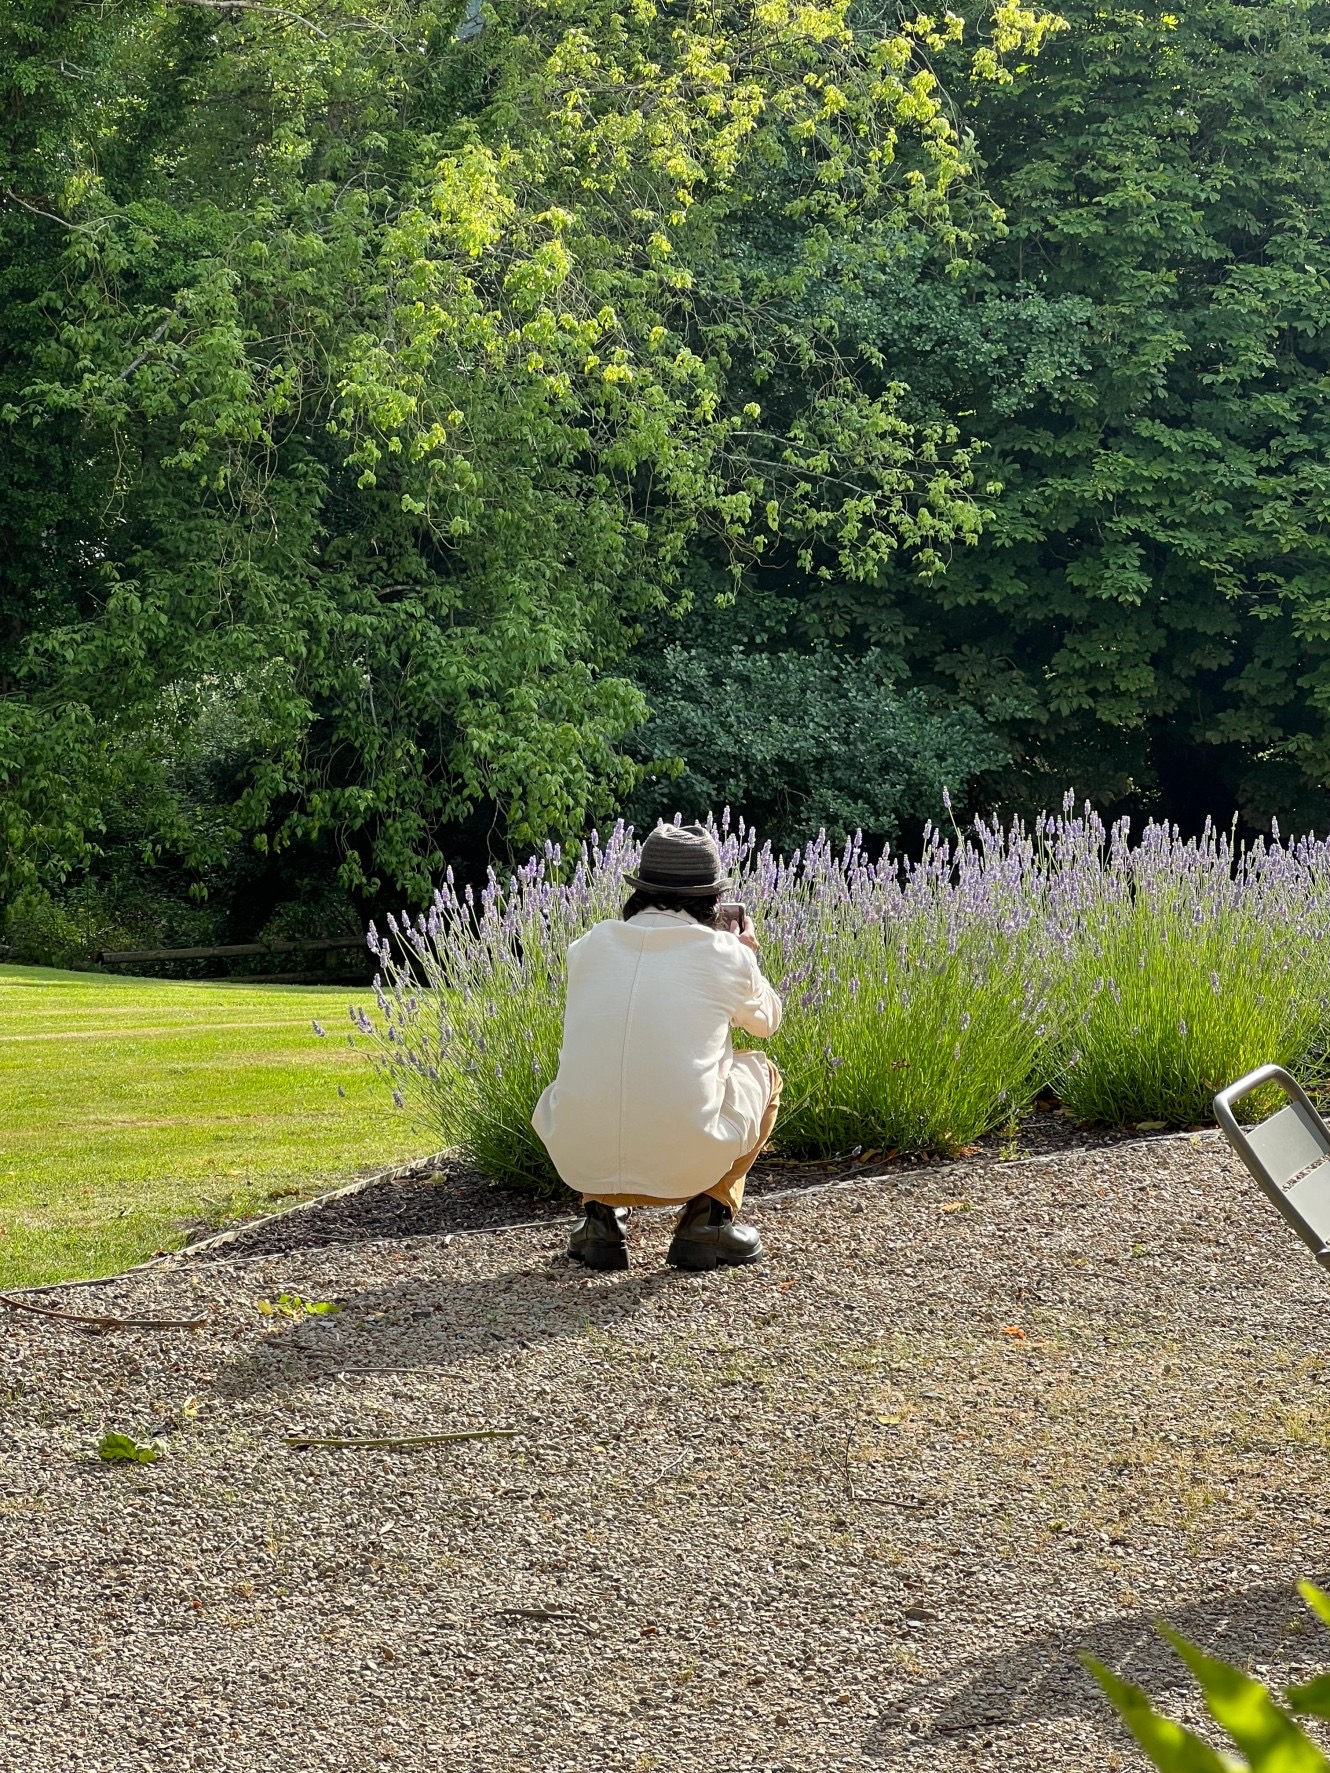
(733, 916)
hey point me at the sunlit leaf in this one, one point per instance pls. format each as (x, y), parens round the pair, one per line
(115, 1446)
(1172, 1747)
(1262, 1730)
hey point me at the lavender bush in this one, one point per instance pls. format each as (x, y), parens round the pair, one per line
(914, 1009)
(926, 1000)
(1177, 966)
(470, 1001)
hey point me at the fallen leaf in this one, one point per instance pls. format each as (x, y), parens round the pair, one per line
(955, 1206)
(1151, 1126)
(123, 1446)
(1016, 1331)
(292, 1305)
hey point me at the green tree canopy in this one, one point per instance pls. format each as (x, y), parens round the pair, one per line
(366, 380)
(802, 741)
(1138, 357)
(1147, 349)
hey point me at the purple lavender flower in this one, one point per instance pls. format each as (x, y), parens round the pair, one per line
(1016, 936)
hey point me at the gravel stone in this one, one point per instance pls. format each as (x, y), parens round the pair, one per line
(861, 1505)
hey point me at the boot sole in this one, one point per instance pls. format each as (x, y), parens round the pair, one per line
(603, 1261)
(700, 1262)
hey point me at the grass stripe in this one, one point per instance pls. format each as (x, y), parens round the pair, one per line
(133, 1111)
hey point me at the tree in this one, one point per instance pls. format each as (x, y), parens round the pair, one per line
(804, 741)
(1148, 610)
(387, 378)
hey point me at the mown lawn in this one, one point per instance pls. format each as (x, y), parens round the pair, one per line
(135, 1111)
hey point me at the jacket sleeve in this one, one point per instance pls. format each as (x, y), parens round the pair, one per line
(757, 1008)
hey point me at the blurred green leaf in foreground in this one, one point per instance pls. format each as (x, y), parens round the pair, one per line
(1266, 1733)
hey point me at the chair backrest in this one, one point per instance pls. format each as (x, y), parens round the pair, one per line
(1288, 1154)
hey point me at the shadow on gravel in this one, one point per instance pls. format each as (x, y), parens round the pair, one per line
(435, 1325)
(1265, 1628)
(439, 1196)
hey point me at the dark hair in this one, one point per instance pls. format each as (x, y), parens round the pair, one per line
(700, 907)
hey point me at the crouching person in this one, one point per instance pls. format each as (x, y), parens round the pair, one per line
(652, 1106)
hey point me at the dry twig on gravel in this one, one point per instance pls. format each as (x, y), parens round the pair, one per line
(376, 1372)
(665, 1470)
(106, 1323)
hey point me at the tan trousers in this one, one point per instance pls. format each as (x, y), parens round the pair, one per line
(730, 1189)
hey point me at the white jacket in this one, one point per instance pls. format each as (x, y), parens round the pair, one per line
(651, 1097)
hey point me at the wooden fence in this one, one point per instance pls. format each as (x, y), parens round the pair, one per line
(328, 946)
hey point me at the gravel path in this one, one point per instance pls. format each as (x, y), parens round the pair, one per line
(856, 1507)
(439, 1195)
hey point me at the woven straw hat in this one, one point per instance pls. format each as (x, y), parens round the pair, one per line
(682, 859)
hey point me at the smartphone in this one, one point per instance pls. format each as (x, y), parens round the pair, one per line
(733, 916)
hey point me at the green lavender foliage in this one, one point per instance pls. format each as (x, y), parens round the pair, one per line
(471, 1003)
(926, 1002)
(913, 1018)
(1180, 967)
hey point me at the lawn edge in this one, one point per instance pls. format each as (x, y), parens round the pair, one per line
(221, 1238)
(838, 1185)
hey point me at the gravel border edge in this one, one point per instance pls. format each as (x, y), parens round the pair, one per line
(220, 1238)
(832, 1186)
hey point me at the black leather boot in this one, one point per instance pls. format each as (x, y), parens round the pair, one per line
(707, 1235)
(597, 1239)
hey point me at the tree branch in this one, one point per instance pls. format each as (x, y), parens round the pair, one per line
(48, 216)
(153, 339)
(254, 6)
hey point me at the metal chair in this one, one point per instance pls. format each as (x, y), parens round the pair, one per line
(1288, 1154)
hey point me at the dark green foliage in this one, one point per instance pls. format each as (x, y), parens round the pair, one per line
(1140, 353)
(72, 928)
(804, 741)
(366, 394)
(1149, 607)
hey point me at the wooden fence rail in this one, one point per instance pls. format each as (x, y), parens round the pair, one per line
(310, 944)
